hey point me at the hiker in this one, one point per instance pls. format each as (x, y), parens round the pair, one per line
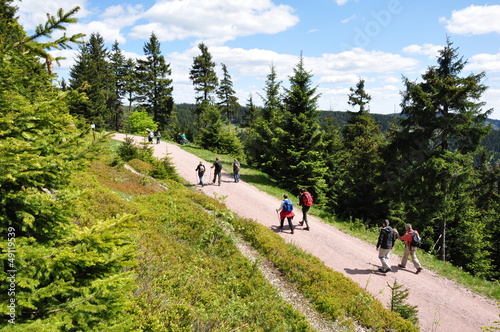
(409, 248)
(236, 170)
(305, 200)
(218, 169)
(201, 172)
(286, 209)
(150, 135)
(184, 139)
(158, 136)
(385, 243)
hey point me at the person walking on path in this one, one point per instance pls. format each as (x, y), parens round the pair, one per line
(158, 136)
(385, 243)
(201, 172)
(286, 209)
(409, 248)
(236, 170)
(217, 170)
(151, 134)
(305, 200)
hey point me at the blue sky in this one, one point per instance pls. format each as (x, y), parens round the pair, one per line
(341, 41)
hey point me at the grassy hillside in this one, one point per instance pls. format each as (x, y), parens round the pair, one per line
(190, 274)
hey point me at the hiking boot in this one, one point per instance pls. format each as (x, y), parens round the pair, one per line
(307, 228)
(400, 265)
(292, 231)
(419, 270)
(382, 270)
(301, 223)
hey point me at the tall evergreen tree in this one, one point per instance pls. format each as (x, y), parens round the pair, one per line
(69, 277)
(360, 197)
(227, 99)
(155, 88)
(300, 144)
(119, 71)
(252, 112)
(261, 134)
(205, 81)
(432, 157)
(92, 73)
(131, 86)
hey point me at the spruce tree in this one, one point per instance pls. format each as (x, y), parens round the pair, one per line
(226, 94)
(431, 159)
(130, 86)
(155, 88)
(261, 135)
(300, 141)
(92, 74)
(63, 277)
(360, 197)
(205, 81)
(119, 72)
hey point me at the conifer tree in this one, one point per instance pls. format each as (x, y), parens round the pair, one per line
(252, 112)
(359, 197)
(92, 73)
(205, 81)
(119, 72)
(131, 86)
(261, 135)
(300, 141)
(432, 159)
(67, 277)
(227, 99)
(155, 88)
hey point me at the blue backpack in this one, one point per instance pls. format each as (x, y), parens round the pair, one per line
(287, 205)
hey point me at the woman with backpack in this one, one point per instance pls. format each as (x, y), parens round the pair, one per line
(412, 242)
(305, 200)
(286, 209)
(201, 172)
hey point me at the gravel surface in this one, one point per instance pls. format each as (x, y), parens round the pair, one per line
(443, 305)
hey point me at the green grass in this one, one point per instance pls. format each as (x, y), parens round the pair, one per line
(263, 182)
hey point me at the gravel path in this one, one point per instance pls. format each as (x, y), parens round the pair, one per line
(443, 305)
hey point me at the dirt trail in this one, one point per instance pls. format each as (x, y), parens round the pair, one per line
(443, 305)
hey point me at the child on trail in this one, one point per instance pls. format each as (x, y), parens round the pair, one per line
(286, 209)
(201, 172)
(305, 200)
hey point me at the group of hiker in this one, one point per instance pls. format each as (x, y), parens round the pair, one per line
(217, 166)
(152, 134)
(386, 239)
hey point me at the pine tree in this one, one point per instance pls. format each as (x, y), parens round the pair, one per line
(300, 142)
(92, 74)
(66, 277)
(262, 135)
(155, 89)
(119, 72)
(360, 197)
(252, 112)
(432, 158)
(131, 85)
(227, 99)
(205, 81)
(398, 303)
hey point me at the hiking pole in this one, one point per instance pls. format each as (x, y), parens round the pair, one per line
(279, 219)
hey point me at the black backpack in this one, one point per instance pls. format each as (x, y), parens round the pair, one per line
(416, 241)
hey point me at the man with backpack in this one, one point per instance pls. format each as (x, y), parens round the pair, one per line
(286, 209)
(201, 172)
(412, 243)
(385, 243)
(218, 169)
(305, 200)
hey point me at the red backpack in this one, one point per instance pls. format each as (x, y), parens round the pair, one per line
(307, 199)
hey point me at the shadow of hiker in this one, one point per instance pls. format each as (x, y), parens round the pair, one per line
(361, 271)
(276, 229)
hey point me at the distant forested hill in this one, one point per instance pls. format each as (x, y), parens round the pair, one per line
(491, 142)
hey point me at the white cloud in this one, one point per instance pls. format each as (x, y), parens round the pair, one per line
(474, 20)
(209, 20)
(427, 49)
(490, 63)
(353, 17)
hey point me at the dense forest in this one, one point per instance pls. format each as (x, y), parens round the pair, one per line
(427, 166)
